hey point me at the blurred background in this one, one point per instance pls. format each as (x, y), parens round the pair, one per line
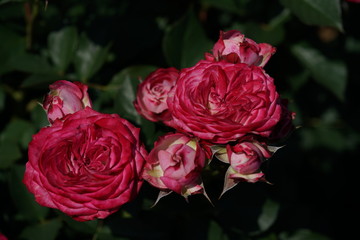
(109, 44)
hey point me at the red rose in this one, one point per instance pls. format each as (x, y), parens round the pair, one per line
(87, 165)
(152, 94)
(65, 98)
(221, 102)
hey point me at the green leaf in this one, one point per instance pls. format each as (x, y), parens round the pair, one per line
(185, 42)
(316, 12)
(31, 63)
(215, 232)
(269, 214)
(89, 58)
(332, 75)
(303, 234)
(43, 231)
(16, 132)
(38, 80)
(124, 86)
(24, 201)
(62, 45)
(9, 152)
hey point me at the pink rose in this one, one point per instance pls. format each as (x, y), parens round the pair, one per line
(65, 98)
(221, 102)
(245, 159)
(87, 165)
(152, 94)
(175, 164)
(233, 47)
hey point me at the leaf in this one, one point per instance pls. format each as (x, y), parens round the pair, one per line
(215, 232)
(303, 234)
(124, 86)
(316, 12)
(269, 214)
(43, 231)
(31, 63)
(9, 153)
(15, 132)
(24, 201)
(38, 80)
(62, 45)
(330, 74)
(185, 42)
(89, 58)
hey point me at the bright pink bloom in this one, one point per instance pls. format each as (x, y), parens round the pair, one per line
(221, 102)
(233, 47)
(65, 98)
(152, 94)
(87, 165)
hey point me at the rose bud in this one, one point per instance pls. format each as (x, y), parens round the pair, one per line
(65, 98)
(220, 102)
(245, 159)
(233, 47)
(152, 94)
(175, 164)
(87, 165)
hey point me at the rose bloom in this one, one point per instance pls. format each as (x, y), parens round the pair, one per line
(221, 102)
(152, 94)
(65, 98)
(245, 159)
(232, 46)
(87, 165)
(175, 164)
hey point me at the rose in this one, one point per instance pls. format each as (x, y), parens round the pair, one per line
(285, 126)
(152, 94)
(65, 98)
(175, 164)
(221, 102)
(232, 46)
(87, 165)
(245, 159)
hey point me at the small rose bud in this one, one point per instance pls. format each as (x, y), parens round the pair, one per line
(65, 98)
(233, 47)
(245, 159)
(152, 94)
(175, 164)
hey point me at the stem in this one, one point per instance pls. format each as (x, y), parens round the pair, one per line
(99, 226)
(31, 11)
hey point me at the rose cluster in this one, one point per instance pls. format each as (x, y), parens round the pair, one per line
(88, 164)
(225, 107)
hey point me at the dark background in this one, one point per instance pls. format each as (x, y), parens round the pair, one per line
(314, 177)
